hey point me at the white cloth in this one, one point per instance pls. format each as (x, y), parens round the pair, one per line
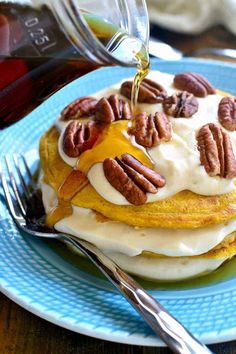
(193, 16)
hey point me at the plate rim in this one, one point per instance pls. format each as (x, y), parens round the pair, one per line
(99, 334)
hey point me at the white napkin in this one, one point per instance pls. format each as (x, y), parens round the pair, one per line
(193, 16)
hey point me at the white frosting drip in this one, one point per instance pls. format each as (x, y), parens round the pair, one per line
(167, 269)
(112, 236)
(124, 244)
(170, 269)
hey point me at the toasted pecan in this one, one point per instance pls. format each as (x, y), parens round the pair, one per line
(79, 137)
(216, 152)
(194, 83)
(111, 109)
(149, 91)
(74, 183)
(120, 180)
(227, 113)
(182, 104)
(131, 178)
(81, 107)
(151, 130)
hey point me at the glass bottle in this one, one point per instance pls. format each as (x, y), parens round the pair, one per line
(46, 44)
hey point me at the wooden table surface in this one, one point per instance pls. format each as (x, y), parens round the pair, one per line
(23, 333)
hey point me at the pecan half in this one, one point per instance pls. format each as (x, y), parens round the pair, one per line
(216, 152)
(149, 91)
(182, 104)
(79, 137)
(131, 178)
(72, 185)
(111, 109)
(227, 113)
(193, 83)
(82, 107)
(151, 130)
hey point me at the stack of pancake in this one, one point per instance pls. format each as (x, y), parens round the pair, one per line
(97, 160)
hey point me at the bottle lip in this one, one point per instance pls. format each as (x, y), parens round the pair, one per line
(83, 39)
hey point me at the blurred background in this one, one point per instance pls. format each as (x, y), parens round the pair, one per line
(193, 25)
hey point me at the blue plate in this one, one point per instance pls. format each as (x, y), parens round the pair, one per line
(43, 278)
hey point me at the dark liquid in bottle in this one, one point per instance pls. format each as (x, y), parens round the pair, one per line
(36, 58)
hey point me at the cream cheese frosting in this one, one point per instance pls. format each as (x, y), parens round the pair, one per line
(163, 269)
(114, 236)
(169, 269)
(177, 160)
(125, 244)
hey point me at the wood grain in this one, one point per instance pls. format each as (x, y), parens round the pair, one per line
(23, 333)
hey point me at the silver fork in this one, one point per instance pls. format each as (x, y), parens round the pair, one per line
(23, 199)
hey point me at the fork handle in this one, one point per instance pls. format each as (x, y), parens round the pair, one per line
(175, 335)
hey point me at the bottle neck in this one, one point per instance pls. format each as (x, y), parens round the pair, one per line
(114, 45)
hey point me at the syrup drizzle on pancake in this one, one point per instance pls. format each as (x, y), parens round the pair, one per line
(115, 141)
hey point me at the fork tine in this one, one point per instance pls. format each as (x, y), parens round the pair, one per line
(32, 182)
(14, 210)
(21, 177)
(20, 200)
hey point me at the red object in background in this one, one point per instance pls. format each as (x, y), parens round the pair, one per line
(15, 90)
(11, 70)
(15, 85)
(5, 36)
(32, 66)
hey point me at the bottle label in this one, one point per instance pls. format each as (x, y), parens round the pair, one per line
(40, 34)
